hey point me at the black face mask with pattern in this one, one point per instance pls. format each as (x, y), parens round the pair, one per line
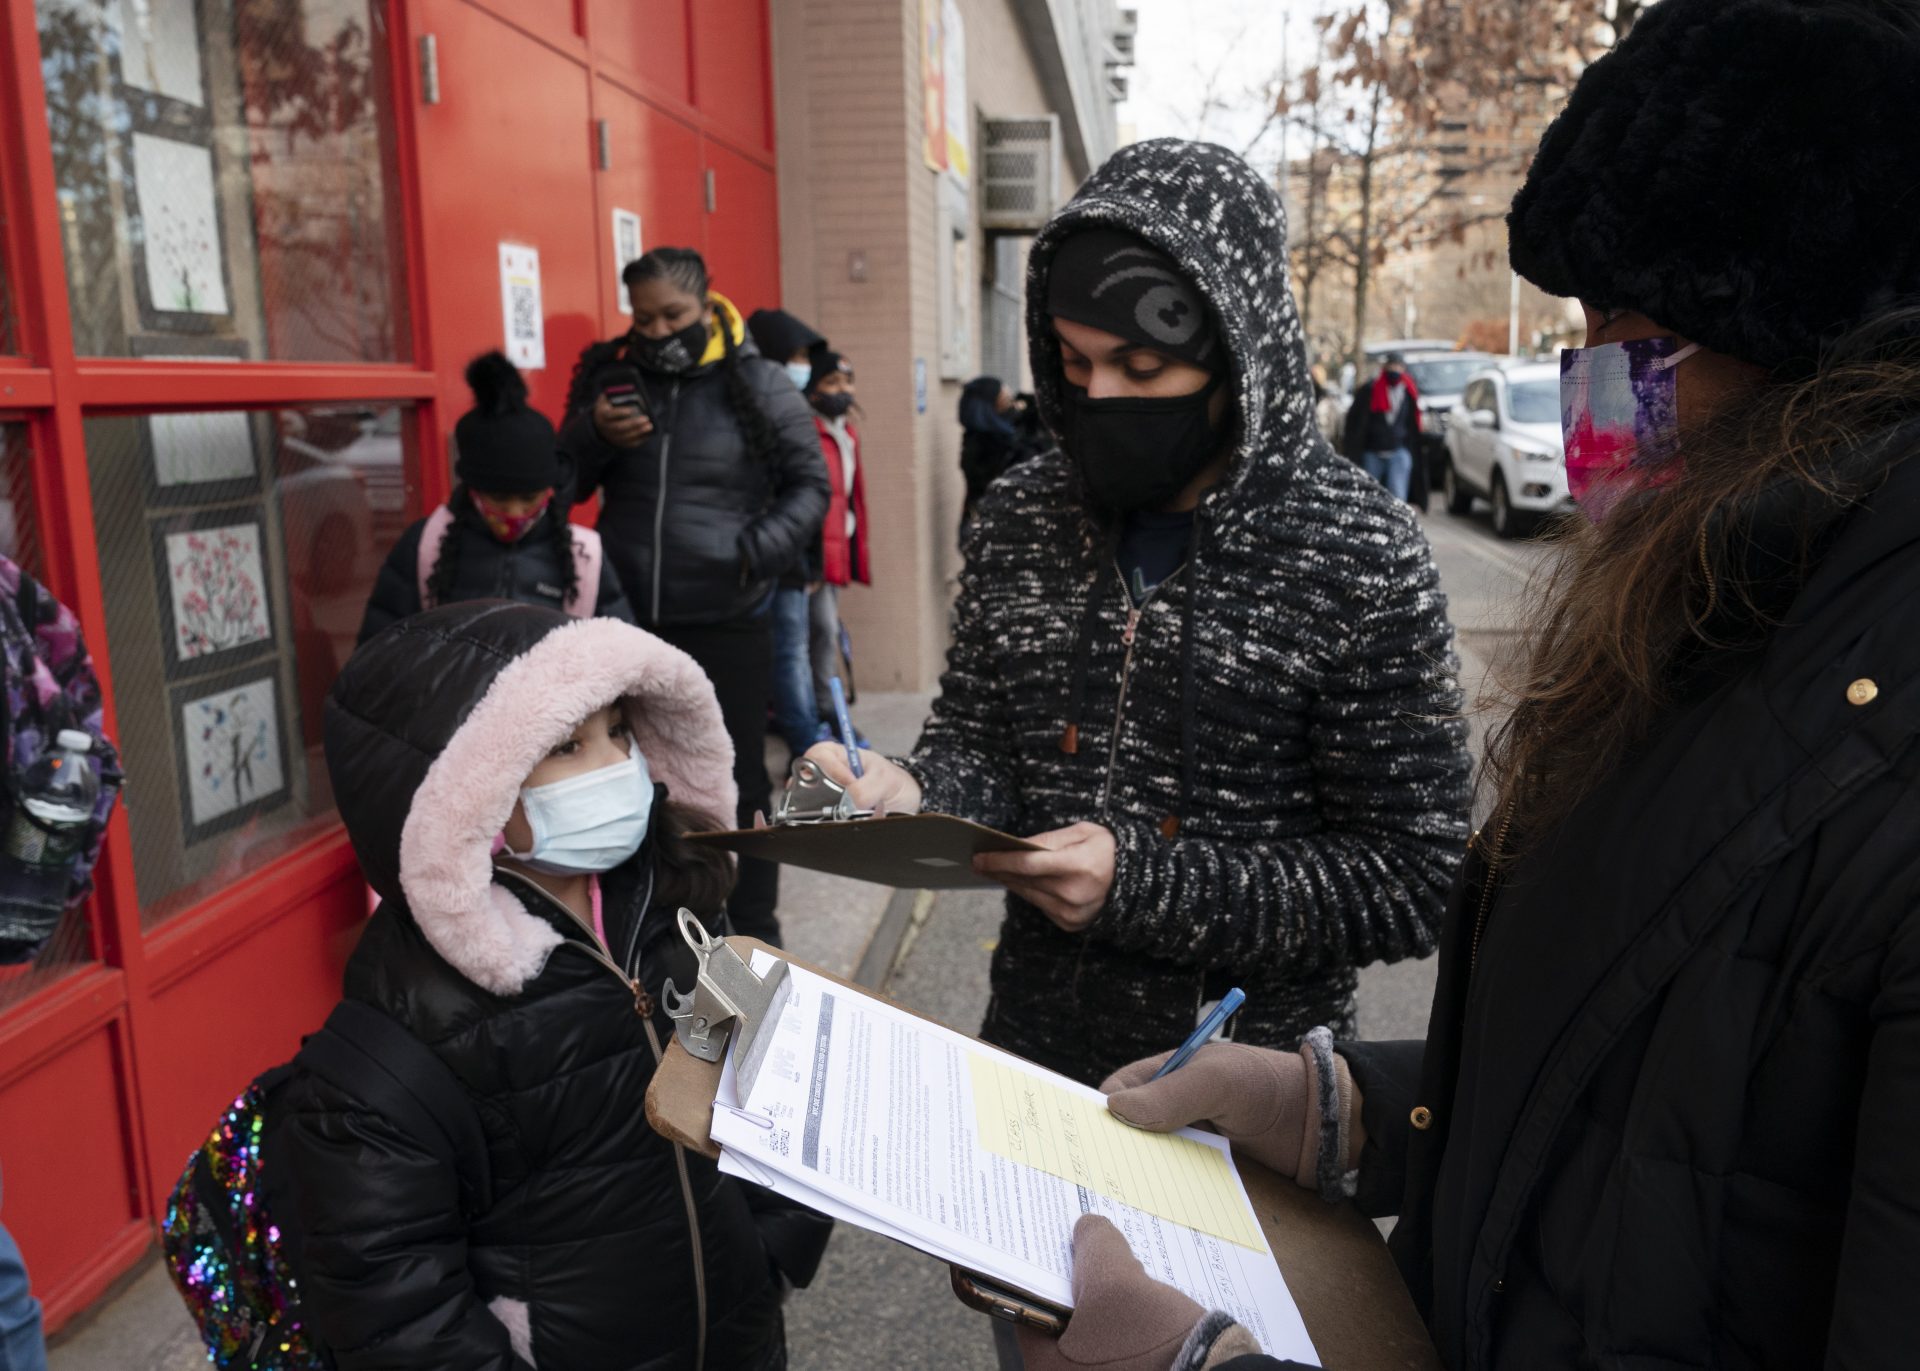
(675, 354)
(1136, 452)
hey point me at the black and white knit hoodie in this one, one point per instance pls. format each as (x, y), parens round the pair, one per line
(1278, 751)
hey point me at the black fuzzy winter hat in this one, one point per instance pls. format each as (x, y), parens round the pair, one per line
(1743, 172)
(505, 447)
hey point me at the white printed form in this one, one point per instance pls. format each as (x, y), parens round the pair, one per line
(874, 1116)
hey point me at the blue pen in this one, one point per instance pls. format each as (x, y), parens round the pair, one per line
(845, 721)
(1209, 1026)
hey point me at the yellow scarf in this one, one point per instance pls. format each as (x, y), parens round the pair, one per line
(721, 319)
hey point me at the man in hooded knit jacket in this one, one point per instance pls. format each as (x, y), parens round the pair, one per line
(1287, 792)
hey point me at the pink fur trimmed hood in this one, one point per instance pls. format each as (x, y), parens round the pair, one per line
(434, 725)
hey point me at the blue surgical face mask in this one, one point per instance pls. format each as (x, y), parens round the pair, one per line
(588, 823)
(801, 372)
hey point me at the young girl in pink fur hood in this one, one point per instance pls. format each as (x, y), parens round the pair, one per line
(516, 784)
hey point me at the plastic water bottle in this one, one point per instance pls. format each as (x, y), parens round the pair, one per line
(50, 817)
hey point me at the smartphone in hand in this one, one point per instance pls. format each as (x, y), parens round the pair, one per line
(620, 386)
(1008, 1305)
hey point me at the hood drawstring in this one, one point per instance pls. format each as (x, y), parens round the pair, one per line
(1106, 548)
(1081, 666)
(1189, 611)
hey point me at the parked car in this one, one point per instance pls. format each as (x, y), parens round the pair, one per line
(1377, 352)
(1504, 446)
(343, 489)
(326, 517)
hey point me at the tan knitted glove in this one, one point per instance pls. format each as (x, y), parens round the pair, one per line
(1124, 1320)
(1267, 1103)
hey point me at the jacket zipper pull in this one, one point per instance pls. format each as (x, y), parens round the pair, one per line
(1133, 622)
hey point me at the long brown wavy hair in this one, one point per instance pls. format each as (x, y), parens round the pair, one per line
(1682, 574)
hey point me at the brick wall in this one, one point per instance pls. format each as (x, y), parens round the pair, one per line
(852, 182)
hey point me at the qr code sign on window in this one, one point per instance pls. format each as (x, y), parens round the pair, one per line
(522, 321)
(525, 325)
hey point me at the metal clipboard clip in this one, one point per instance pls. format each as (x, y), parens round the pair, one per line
(727, 998)
(813, 797)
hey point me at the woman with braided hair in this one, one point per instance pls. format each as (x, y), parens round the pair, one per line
(708, 468)
(504, 534)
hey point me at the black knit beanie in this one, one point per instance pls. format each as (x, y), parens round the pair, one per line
(1741, 172)
(1111, 280)
(825, 363)
(505, 447)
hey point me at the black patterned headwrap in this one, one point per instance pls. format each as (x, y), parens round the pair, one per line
(1110, 280)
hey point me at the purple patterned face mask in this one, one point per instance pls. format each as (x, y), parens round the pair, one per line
(1619, 419)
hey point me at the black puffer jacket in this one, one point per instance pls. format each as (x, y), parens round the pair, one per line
(586, 1254)
(1673, 1107)
(530, 571)
(697, 527)
(1275, 744)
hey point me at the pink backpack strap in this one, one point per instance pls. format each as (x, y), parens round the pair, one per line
(431, 537)
(587, 554)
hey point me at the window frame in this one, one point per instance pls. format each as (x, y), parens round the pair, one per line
(50, 390)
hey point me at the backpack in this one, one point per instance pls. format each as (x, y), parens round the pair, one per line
(587, 555)
(232, 1235)
(47, 683)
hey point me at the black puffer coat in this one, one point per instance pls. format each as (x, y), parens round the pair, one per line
(698, 528)
(1674, 1105)
(602, 1245)
(530, 571)
(1274, 740)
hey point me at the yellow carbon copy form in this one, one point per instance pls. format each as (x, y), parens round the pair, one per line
(1039, 1123)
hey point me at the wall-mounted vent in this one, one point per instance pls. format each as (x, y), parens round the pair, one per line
(1019, 173)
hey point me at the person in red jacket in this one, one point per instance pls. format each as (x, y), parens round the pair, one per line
(843, 535)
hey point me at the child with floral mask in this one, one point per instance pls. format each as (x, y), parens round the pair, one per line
(505, 533)
(523, 817)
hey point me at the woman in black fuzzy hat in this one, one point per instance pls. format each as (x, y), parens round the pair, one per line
(1665, 1112)
(504, 534)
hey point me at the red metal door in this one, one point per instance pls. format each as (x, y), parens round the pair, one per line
(653, 170)
(505, 158)
(742, 232)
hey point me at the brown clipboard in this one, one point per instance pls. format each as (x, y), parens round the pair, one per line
(908, 851)
(1357, 1309)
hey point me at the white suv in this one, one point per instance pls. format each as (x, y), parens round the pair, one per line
(1503, 445)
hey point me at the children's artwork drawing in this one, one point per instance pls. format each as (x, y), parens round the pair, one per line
(232, 751)
(218, 590)
(160, 48)
(197, 449)
(179, 225)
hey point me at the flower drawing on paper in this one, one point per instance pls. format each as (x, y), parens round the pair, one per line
(219, 600)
